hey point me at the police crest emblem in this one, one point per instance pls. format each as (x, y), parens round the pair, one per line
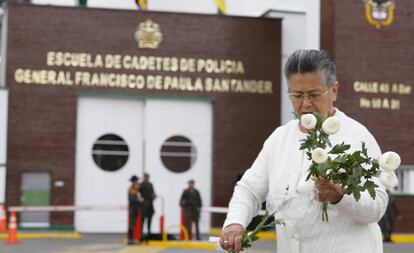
(148, 34)
(379, 13)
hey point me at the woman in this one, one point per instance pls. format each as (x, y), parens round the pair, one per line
(281, 165)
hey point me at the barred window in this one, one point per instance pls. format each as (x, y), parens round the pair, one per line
(178, 153)
(110, 152)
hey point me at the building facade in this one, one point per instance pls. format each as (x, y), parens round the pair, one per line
(50, 123)
(374, 59)
(99, 95)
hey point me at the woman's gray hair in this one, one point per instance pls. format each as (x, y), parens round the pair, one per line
(311, 61)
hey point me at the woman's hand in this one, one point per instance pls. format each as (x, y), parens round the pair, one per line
(231, 237)
(328, 191)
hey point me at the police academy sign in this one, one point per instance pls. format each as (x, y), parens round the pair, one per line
(179, 77)
(148, 35)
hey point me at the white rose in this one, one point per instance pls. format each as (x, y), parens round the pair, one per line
(319, 155)
(388, 179)
(389, 161)
(308, 121)
(331, 125)
(305, 186)
(341, 170)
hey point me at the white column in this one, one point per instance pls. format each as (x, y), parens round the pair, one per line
(3, 141)
(313, 20)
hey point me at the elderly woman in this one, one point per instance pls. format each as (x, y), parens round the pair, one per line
(274, 176)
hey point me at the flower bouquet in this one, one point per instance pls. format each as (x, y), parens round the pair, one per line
(354, 172)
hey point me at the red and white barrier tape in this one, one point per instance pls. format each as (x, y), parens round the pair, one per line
(209, 209)
(67, 208)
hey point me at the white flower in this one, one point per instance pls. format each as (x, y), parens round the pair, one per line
(305, 186)
(331, 125)
(308, 121)
(389, 161)
(319, 155)
(388, 179)
(341, 170)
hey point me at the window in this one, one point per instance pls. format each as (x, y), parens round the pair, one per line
(178, 153)
(110, 152)
(405, 175)
(35, 191)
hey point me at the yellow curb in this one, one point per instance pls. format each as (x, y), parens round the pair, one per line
(140, 249)
(402, 238)
(183, 244)
(126, 249)
(267, 235)
(215, 231)
(74, 235)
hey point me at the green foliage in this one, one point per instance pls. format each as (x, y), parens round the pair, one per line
(339, 149)
(353, 171)
(249, 237)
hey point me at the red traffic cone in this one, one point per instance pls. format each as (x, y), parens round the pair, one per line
(182, 233)
(137, 229)
(12, 238)
(3, 220)
(162, 224)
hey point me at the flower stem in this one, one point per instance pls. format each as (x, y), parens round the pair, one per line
(325, 212)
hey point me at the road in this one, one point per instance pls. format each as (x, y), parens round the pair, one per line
(110, 243)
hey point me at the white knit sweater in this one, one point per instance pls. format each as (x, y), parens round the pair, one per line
(352, 226)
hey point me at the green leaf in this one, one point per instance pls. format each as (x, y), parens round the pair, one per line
(372, 192)
(339, 149)
(340, 159)
(356, 193)
(370, 186)
(357, 158)
(313, 171)
(323, 140)
(364, 150)
(322, 168)
(310, 142)
(357, 172)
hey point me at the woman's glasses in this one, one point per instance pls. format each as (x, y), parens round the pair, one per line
(313, 96)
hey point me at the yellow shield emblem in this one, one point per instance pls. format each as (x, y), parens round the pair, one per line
(379, 13)
(148, 34)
